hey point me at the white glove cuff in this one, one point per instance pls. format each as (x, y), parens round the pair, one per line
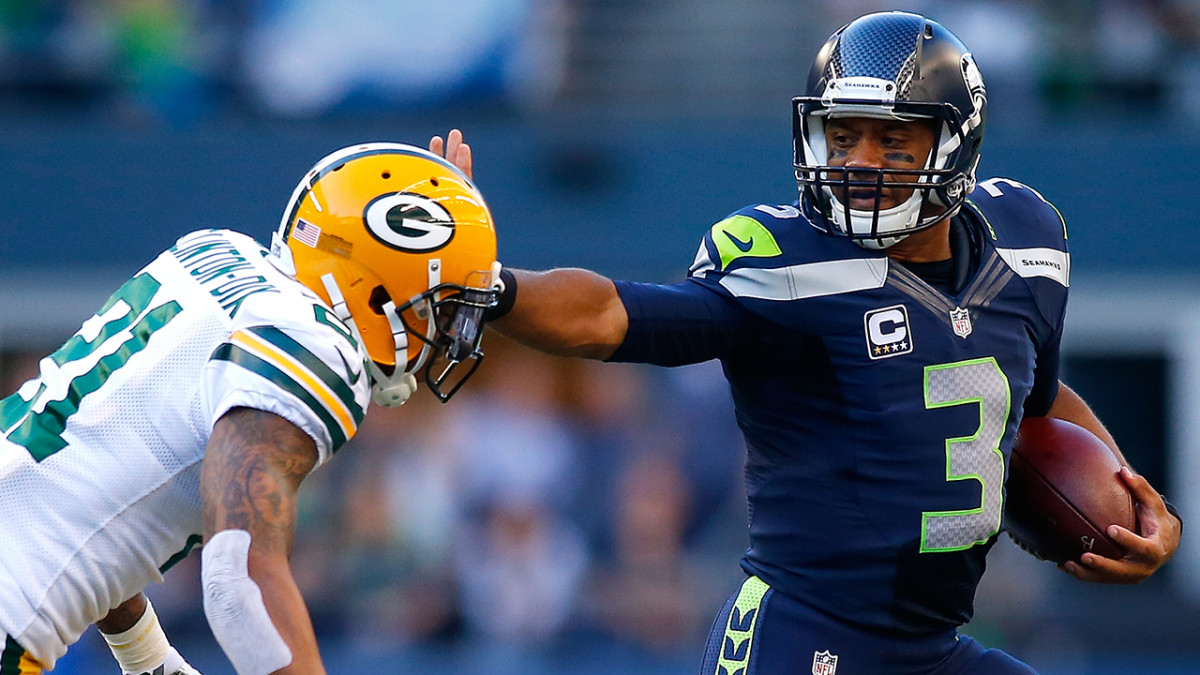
(143, 647)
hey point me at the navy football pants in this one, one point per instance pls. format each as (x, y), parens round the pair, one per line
(761, 632)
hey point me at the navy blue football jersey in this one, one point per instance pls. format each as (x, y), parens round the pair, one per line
(878, 411)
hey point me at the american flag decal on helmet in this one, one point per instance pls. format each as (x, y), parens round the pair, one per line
(306, 232)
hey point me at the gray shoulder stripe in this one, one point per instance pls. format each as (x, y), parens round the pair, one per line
(918, 290)
(702, 263)
(991, 283)
(810, 280)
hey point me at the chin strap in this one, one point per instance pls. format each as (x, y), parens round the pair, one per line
(392, 390)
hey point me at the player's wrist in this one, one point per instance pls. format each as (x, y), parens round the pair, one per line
(1174, 512)
(143, 647)
(506, 296)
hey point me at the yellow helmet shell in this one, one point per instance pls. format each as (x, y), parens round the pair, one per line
(387, 221)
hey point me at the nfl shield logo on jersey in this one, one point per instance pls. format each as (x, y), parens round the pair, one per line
(824, 663)
(960, 320)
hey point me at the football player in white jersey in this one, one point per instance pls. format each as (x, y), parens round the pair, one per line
(191, 406)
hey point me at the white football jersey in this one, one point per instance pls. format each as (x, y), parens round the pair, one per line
(100, 455)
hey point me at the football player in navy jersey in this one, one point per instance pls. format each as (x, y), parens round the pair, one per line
(883, 336)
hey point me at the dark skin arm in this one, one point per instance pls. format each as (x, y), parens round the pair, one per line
(566, 312)
(252, 469)
(1160, 531)
(122, 617)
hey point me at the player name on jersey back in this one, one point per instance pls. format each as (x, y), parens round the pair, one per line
(221, 269)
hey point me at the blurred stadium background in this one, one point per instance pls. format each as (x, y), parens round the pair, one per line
(571, 517)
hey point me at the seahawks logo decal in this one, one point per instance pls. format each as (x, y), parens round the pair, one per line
(974, 81)
(409, 222)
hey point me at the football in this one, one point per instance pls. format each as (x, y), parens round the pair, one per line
(1063, 491)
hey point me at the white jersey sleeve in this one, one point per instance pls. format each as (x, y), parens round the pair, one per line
(290, 356)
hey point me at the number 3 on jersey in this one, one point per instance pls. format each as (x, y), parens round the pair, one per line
(976, 382)
(36, 415)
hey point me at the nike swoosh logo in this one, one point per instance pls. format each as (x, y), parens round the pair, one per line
(354, 374)
(743, 246)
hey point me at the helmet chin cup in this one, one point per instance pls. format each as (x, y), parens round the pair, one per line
(386, 390)
(877, 229)
(390, 391)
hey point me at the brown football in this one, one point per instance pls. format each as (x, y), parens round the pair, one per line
(1063, 491)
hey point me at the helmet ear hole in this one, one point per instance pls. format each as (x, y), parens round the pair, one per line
(379, 298)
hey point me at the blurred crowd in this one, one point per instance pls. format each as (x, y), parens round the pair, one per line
(180, 61)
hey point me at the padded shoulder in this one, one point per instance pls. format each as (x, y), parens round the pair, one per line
(767, 235)
(1027, 231)
(768, 252)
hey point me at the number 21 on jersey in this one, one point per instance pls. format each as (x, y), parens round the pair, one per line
(36, 416)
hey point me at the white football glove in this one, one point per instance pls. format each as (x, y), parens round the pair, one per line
(172, 665)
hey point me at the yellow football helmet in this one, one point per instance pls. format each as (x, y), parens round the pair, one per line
(401, 245)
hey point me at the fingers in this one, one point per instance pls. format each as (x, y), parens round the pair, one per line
(454, 149)
(1131, 541)
(1098, 569)
(1158, 531)
(454, 141)
(1145, 551)
(1085, 573)
(1141, 489)
(459, 152)
(1143, 556)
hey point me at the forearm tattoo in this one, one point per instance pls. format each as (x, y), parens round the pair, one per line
(252, 468)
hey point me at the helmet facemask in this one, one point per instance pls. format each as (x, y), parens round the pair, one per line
(452, 316)
(938, 188)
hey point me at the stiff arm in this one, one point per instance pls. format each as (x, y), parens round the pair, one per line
(567, 312)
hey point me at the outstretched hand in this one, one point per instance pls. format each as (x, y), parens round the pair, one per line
(454, 150)
(1146, 552)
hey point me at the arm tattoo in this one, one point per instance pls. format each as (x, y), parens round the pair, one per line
(252, 468)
